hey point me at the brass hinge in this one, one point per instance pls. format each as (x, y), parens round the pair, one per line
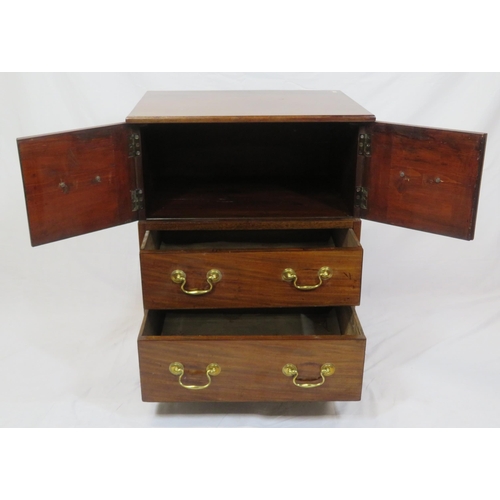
(365, 145)
(361, 198)
(134, 145)
(137, 199)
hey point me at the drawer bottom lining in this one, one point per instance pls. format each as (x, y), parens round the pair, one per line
(300, 322)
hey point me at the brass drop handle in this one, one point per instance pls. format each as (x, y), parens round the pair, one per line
(288, 274)
(291, 371)
(177, 369)
(213, 276)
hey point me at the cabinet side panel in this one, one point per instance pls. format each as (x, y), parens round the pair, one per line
(77, 182)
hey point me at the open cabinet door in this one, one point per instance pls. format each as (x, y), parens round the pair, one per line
(78, 182)
(422, 178)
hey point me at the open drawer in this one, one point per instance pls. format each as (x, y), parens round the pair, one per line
(263, 268)
(306, 354)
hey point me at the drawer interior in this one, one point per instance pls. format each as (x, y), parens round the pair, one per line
(246, 240)
(313, 322)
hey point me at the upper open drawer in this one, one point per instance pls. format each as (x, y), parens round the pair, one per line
(224, 269)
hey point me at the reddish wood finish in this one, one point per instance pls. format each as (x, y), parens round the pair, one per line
(425, 179)
(235, 106)
(77, 182)
(252, 277)
(251, 365)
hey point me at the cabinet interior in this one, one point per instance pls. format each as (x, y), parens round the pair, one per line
(257, 170)
(300, 322)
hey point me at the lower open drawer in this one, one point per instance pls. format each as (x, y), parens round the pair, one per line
(307, 354)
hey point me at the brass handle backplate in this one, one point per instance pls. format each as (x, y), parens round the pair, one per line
(291, 371)
(177, 369)
(288, 274)
(213, 276)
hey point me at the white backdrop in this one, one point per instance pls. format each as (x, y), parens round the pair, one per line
(71, 311)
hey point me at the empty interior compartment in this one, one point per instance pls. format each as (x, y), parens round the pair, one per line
(302, 322)
(261, 239)
(258, 170)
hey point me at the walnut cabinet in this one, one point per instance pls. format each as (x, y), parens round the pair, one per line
(249, 207)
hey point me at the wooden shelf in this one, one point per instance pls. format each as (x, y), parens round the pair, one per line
(184, 200)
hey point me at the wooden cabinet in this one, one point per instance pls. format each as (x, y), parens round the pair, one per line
(249, 208)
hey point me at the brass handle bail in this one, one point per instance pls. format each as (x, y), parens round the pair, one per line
(290, 370)
(177, 369)
(324, 273)
(213, 276)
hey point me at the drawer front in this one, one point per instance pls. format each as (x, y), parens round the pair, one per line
(251, 369)
(252, 278)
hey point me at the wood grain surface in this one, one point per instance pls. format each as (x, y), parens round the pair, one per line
(234, 106)
(425, 179)
(77, 182)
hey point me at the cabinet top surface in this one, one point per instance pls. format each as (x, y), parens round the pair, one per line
(248, 106)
